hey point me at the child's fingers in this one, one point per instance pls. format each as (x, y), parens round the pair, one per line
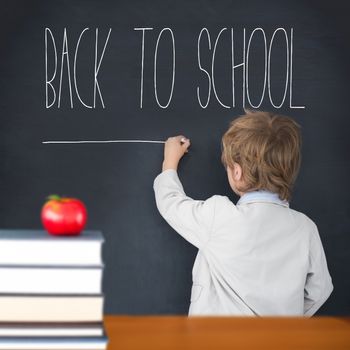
(182, 140)
(186, 144)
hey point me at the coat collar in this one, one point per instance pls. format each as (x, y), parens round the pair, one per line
(262, 196)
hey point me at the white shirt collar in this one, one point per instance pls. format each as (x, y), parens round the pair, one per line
(262, 196)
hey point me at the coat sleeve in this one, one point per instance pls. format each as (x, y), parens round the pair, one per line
(318, 285)
(192, 219)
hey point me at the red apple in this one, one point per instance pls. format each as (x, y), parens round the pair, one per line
(63, 216)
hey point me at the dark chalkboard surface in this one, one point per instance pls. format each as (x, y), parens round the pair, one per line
(294, 56)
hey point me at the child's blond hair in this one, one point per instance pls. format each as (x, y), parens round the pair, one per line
(267, 146)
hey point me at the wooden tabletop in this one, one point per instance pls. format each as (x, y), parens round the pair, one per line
(234, 333)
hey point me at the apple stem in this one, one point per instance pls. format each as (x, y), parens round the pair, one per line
(54, 197)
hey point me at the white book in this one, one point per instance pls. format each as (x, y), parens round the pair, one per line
(54, 343)
(51, 280)
(51, 308)
(61, 329)
(37, 247)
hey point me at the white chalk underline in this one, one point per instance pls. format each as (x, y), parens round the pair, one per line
(102, 141)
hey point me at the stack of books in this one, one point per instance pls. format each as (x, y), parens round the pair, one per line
(51, 291)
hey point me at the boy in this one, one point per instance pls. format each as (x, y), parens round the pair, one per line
(258, 257)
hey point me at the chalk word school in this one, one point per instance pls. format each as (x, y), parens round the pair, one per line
(65, 67)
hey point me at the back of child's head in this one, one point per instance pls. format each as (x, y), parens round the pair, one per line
(267, 147)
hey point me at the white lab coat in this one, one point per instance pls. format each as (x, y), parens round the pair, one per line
(258, 257)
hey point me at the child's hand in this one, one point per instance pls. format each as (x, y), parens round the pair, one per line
(175, 147)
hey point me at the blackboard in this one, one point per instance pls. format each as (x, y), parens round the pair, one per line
(298, 56)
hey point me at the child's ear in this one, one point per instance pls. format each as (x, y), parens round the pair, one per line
(236, 172)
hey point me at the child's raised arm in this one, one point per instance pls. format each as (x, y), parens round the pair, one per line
(192, 219)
